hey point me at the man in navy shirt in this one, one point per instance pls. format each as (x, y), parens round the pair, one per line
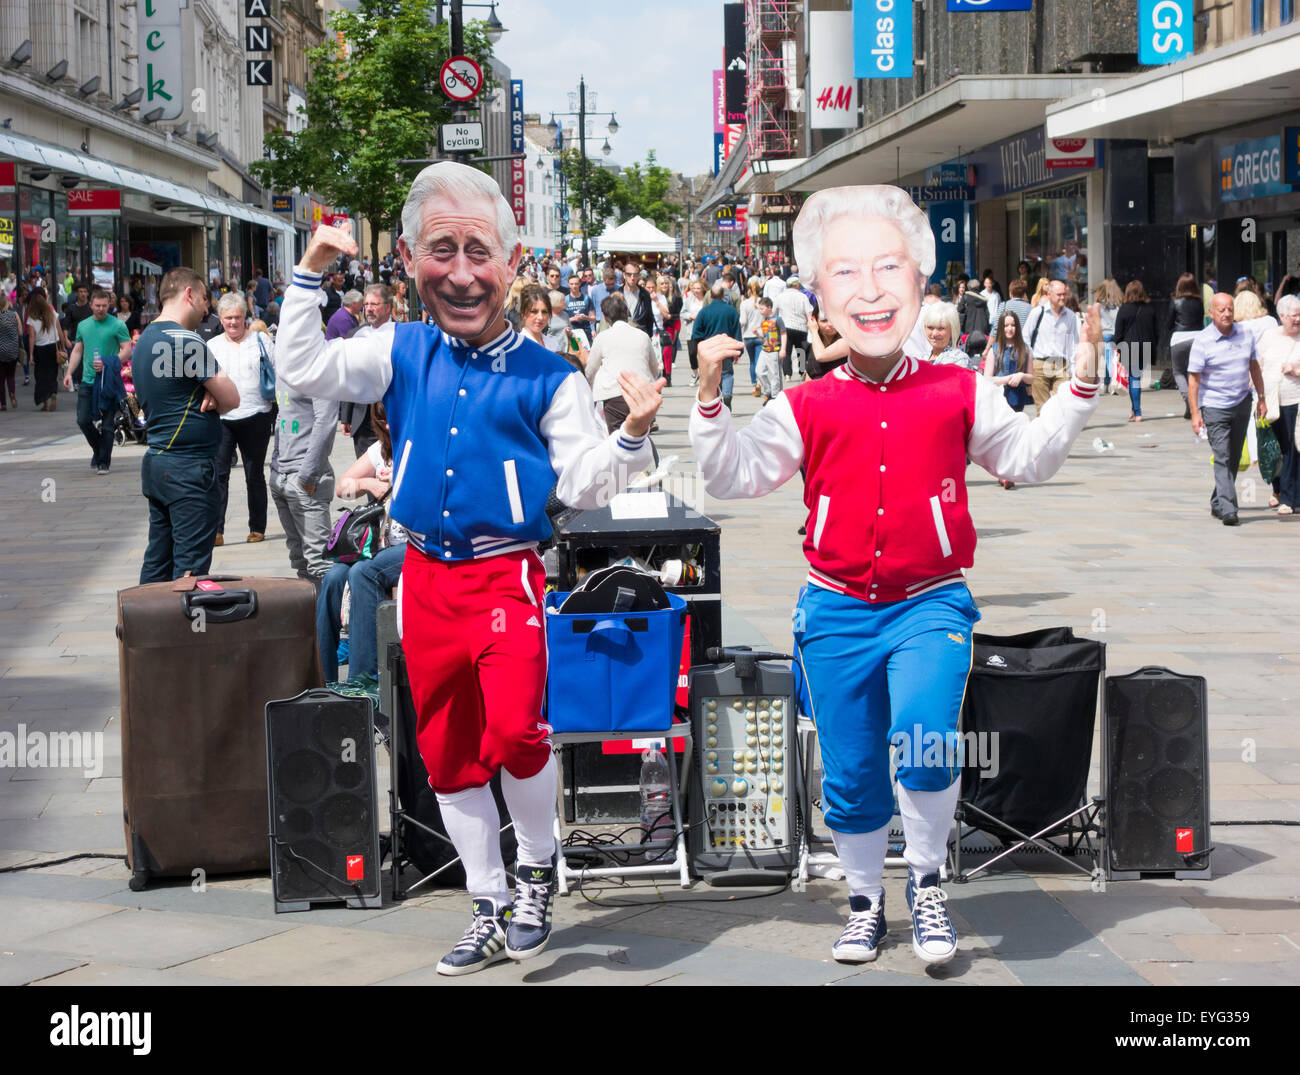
(183, 393)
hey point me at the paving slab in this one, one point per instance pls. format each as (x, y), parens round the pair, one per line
(152, 938)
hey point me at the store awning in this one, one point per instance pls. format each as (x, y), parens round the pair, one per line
(636, 236)
(762, 176)
(1241, 82)
(964, 114)
(56, 158)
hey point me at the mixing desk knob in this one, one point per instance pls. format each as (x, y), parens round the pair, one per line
(763, 787)
(712, 729)
(712, 768)
(752, 741)
(712, 755)
(777, 766)
(751, 767)
(711, 742)
(738, 787)
(712, 703)
(776, 740)
(777, 786)
(763, 740)
(718, 787)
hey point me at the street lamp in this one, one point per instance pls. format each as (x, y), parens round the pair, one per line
(493, 31)
(582, 114)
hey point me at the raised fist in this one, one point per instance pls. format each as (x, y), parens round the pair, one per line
(327, 243)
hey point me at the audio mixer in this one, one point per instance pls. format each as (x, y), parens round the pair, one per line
(745, 727)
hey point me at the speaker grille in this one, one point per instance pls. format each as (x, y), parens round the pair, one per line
(1156, 774)
(321, 763)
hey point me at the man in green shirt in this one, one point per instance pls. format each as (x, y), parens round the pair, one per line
(100, 339)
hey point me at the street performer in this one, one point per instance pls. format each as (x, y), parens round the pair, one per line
(883, 626)
(484, 424)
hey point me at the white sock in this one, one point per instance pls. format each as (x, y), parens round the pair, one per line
(862, 854)
(927, 821)
(531, 803)
(473, 824)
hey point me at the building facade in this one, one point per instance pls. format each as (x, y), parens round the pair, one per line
(122, 164)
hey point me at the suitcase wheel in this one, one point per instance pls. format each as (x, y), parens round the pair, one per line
(138, 882)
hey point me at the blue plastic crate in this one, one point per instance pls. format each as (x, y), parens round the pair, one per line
(613, 671)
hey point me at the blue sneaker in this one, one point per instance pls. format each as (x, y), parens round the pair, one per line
(933, 938)
(861, 939)
(530, 919)
(483, 943)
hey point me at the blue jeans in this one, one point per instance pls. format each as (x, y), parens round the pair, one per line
(183, 496)
(753, 344)
(1109, 339)
(1135, 391)
(370, 581)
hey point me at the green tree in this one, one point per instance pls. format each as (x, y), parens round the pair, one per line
(372, 100)
(643, 191)
(601, 188)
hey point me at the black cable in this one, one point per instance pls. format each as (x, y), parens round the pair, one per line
(356, 888)
(774, 890)
(1214, 823)
(59, 862)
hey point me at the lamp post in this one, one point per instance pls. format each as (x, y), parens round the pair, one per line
(582, 114)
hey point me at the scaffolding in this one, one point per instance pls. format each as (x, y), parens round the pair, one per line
(771, 35)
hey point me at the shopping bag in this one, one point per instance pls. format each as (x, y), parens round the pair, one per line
(1270, 452)
(1121, 375)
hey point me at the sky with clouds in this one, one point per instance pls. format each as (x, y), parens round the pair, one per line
(650, 65)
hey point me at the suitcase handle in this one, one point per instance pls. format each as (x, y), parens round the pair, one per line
(228, 606)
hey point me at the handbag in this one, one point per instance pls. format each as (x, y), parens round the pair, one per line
(1268, 449)
(1121, 375)
(266, 372)
(356, 535)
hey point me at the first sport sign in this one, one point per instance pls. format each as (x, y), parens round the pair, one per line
(460, 78)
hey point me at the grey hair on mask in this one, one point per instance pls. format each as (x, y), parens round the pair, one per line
(458, 182)
(887, 202)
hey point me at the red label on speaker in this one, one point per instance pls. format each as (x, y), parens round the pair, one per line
(1183, 840)
(357, 867)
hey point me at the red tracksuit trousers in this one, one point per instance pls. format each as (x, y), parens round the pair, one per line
(475, 642)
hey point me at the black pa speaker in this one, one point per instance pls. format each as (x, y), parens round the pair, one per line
(1155, 761)
(324, 819)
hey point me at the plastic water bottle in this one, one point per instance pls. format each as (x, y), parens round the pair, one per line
(656, 804)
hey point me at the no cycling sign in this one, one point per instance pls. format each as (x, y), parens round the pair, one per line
(460, 78)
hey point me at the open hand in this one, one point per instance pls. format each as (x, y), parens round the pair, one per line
(643, 400)
(1091, 346)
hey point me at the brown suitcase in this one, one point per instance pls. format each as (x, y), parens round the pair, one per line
(199, 660)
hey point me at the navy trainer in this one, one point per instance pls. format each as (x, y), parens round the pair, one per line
(933, 938)
(530, 920)
(860, 942)
(483, 943)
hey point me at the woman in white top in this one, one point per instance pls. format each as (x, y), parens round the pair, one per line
(751, 320)
(1248, 311)
(1109, 297)
(622, 347)
(1278, 351)
(249, 426)
(44, 337)
(692, 304)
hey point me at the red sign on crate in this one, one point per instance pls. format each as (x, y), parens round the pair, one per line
(1184, 840)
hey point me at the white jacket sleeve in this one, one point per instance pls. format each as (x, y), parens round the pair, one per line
(357, 369)
(591, 466)
(1008, 445)
(751, 462)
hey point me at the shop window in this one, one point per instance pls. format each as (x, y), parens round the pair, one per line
(1256, 16)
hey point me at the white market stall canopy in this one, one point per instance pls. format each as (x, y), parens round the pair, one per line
(636, 236)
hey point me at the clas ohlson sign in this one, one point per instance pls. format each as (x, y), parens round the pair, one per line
(882, 38)
(1252, 170)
